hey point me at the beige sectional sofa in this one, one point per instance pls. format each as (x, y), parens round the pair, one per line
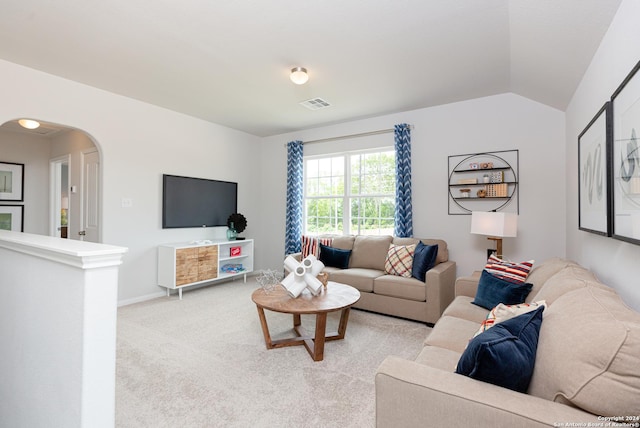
(389, 294)
(587, 365)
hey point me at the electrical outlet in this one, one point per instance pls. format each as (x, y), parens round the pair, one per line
(127, 202)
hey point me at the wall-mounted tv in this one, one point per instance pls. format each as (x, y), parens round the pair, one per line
(197, 202)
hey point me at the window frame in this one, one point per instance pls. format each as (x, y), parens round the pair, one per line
(347, 196)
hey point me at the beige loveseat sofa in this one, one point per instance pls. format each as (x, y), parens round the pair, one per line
(389, 294)
(587, 366)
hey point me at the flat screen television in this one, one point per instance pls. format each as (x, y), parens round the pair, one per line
(197, 202)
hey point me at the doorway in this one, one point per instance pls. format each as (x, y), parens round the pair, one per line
(90, 222)
(60, 212)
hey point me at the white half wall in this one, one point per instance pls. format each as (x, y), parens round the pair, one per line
(502, 122)
(58, 331)
(615, 262)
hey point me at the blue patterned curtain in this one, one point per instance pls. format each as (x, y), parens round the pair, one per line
(404, 209)
(295, 183)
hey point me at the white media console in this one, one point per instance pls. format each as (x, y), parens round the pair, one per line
(183, 264)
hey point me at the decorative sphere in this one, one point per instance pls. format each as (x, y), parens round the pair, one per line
(239, 222)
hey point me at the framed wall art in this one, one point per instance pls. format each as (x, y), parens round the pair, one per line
(594, 185)
(626, 158)
(11, 181)
(12, 218)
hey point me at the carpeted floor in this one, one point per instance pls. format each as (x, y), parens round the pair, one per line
(202, 362)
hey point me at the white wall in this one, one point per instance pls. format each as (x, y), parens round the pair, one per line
(138, 142)
(33, 152)
(501, 122)
(615, 262)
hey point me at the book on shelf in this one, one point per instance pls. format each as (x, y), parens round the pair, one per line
(496, 177)
(498, 190)
(468, 181)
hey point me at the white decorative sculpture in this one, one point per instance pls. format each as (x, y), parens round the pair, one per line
(303, 275)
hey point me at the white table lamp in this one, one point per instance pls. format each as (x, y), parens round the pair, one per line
(495, 225)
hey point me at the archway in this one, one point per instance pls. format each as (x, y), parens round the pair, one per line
(52, 197)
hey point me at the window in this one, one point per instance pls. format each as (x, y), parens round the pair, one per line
(350, 193)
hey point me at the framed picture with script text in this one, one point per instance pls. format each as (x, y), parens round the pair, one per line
(594, 184)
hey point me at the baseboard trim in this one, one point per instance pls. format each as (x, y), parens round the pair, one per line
(174, 292)
(141, 298)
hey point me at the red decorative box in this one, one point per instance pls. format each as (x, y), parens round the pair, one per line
(235, 251)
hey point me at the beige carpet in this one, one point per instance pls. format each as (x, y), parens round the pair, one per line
(202, 362)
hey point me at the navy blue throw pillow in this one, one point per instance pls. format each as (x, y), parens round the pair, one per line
(334, 257)
(505, 354)
(424, 259)
(493, 290)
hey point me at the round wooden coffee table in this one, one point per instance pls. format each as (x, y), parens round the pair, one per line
(334, 298)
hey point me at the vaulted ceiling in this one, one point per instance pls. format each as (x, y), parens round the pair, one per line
(228, 62)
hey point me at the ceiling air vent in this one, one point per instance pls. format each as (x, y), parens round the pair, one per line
(315, 104)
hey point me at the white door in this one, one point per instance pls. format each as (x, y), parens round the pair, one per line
(90, 227)
(59, 196)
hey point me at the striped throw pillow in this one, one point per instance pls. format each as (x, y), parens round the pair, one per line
(509, 271)
(504, 312)
(399, 260)
(310, 245)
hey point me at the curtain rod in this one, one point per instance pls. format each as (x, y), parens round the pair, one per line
(343, 137)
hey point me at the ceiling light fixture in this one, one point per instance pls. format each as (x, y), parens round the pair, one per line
(299, 75)
(28, 123)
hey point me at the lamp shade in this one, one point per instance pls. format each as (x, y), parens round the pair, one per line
(494, 224)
